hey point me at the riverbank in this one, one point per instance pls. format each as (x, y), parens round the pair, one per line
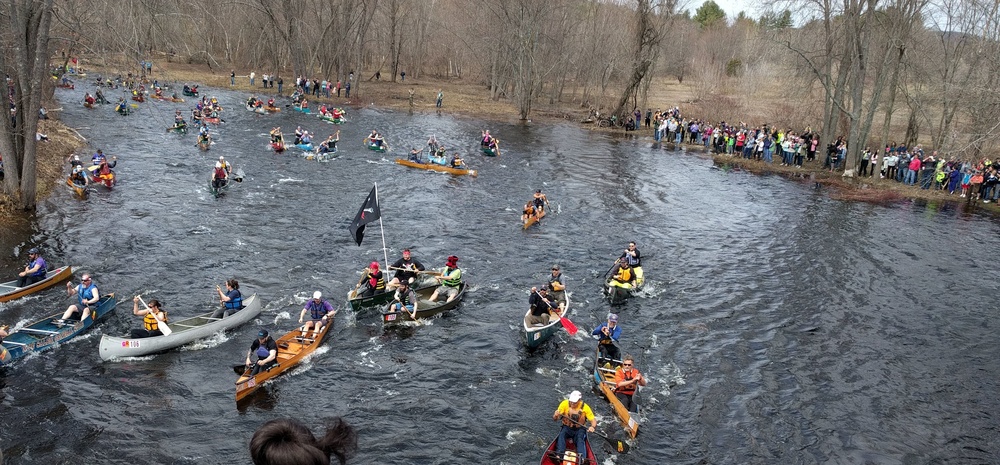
(51, 156)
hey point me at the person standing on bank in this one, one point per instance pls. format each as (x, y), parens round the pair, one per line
(607, 339)
(86, 295)
(574, 414)
(232, 299)
(34, 271)
(151, 318)
(266, 350)
(627, 380)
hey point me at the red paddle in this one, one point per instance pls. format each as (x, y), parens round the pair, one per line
(570, 327)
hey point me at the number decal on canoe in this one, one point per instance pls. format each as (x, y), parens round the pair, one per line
(390, 317)
(130, 344)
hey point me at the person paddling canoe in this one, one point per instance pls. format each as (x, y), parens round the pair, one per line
(152, 316)
(406, 270)
(266, 350)
(373, 279)
(320, 312)
(451, 280)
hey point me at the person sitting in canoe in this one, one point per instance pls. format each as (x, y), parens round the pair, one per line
(298, 135)
(378, 140)
(231, 299)
(179, 122)
(266, 350)
(627, 380)
(432, 144)
(322, 110)
(406, 270)
(634, 259)
(542, 308)
(373, 279)
(34, 271)
(574, 413)
(4, 332)
(219, 176)
(320, 312)
(270, 103)
(152, 316)
(86, 295)
(75, 162)
(278, 440)
(415, 156)
(158, 92)
(457, 162)
(607, 339)
(405, 300)
(78, 176)
(89, 99)
(276, 137)
(437, 156)
(337, 113)
(196, 115)
(450, 279)
(99, 96)
(623, 276)
(330, 144)
(303, 105)
(540, 200)
(528, 212)
(487, 138)
(557, 289)
(306, 138)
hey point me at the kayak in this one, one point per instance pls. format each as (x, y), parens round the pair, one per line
(549, 457)
(183, 332)
(49, 332)
(535, 335)
(9, 290)
(425, 308)
(604, 379)
(292, 348)
(436, 167)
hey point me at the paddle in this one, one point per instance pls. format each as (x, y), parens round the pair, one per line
(162, 325)
(570, 327)
(612, 267)
(621, 446)
(497, 149)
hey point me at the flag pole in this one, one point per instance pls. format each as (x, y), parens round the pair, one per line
(385, 249)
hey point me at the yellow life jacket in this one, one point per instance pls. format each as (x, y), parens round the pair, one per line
(150, 322)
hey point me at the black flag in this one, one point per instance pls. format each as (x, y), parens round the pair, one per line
(369, 212)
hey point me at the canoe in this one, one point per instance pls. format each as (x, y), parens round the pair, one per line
(88, 105)
(139, 98)
(604, 373)
(190, 93)
(80, 191)
(535, 335)
(174, 100)
(181, 130)
(425, 309)
(260, 110)
(378, 148)
(307, 147)
(533, 219)
(490, 152)
(204, 145)
(184, 331)
(123, 110)
(377, 300)
(277, 147)
(618, 295)
(305, 110)
(550, 457)
(272, 109)
(435, 167)
(330, 119)
(325, 156)
(45, 334)
(217, 191)
(292, 348)
(209, 119)
(108, 180)
(9, 290)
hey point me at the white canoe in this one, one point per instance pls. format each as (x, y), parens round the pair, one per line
(184, 331)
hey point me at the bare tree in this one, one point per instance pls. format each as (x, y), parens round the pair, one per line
(650, 20)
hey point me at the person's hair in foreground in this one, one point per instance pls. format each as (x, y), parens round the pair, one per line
(286, 441)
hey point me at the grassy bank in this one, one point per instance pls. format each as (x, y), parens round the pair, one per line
(52, 157)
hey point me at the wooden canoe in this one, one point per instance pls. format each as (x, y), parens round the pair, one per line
(9, 290)
(436, 167)
(535, 335)
(604, 379)
(272, 109)
(550, 457)
(291, 350)
(47, 333)
(184, 331)
(533, 219)
(425, 308)
(80, 191)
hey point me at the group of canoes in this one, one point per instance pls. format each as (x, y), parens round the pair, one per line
(99, 172)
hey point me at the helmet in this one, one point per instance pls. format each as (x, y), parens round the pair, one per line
(222, 158)
(218, 165)
(33, 251)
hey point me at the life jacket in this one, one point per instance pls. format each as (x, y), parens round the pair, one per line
(529, 210)
(220, 173)
(85, 293)
(574, 420)
(624, 275)
(404, 297)
(629, 375)
(235, 303)
(316, 309)
(150, 322)
(262, 350)
(452, 281)
(376, 280)
(41, 268)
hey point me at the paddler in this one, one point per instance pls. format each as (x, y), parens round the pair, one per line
(627, 380)
(373, 279)
(450, 279)
(152, 316)
(266, 350)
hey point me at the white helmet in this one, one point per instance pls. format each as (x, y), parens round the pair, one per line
(218, 165)
(221, 158)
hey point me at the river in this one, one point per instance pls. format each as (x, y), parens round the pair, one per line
(777, 325)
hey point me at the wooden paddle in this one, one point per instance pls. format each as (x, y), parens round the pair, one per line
(162, 325)
(570, 327)
(618, 445)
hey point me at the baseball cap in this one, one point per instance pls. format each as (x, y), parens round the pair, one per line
(317, 295)
(575, 396)
(262, 333)
(613, 317)
(33, 251)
